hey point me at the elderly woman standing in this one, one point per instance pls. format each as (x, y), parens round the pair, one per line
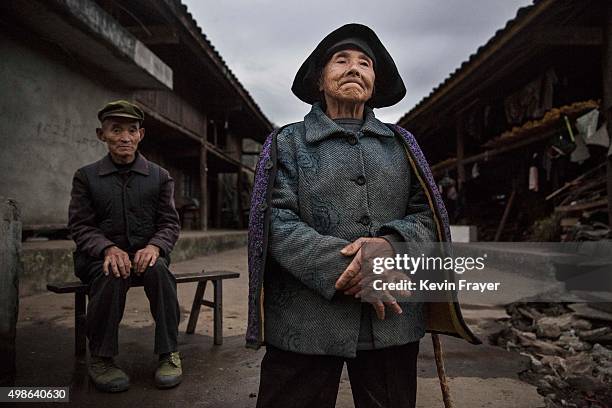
(323, 188)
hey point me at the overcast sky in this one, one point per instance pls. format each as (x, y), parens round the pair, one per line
(265, 41)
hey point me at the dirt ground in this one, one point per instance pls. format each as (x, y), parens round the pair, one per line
(228, 375)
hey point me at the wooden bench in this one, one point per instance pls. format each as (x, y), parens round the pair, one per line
(216, 277)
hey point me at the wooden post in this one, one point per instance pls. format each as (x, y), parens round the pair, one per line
(504, 218)
(204, 177)
(10, 268)
(239, 197)
(606, 107)
(215, 134)
(218, 311)
(219, 193)
(460, 152)
(203, 187)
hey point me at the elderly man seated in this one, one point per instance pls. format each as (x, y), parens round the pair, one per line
(124, 222)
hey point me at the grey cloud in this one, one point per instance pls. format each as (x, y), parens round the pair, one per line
(264, 41)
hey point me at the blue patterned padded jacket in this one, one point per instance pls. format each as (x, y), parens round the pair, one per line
(325, 226)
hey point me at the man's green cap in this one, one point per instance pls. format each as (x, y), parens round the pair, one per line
(121, 108)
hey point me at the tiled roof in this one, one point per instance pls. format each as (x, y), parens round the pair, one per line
(499, 34)
(227, 72)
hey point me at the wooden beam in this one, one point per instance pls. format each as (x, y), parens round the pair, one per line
(222, 155)
(173, 109)
(583, 206)
(194, 136)
(568, 36)
(574, 182)
(488, 154)
(155, 34)
(186, 153)
(223, 106)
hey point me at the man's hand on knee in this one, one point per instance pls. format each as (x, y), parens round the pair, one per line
(146, 257)
(117, 261)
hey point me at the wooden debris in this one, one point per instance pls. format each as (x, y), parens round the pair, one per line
(590, 313)
(552, 326)
(602, 202)
(600, 335)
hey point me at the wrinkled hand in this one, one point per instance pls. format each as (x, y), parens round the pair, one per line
(380, 298)
(353, 274)
(118, 261)
(351, 281)
(145, 257)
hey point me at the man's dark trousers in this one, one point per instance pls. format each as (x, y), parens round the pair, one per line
(384, 378)
(107, 301)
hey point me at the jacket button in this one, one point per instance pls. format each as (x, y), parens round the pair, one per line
(360, 180)
(365, 220)
(263, 207)
(269, 164)
(352, 140)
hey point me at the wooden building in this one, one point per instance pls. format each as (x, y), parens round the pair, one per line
(503, 135)
(63, 59)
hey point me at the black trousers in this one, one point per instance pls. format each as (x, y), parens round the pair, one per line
(379, 378)
(107, 301)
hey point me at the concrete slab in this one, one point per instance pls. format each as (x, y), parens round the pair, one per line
(49, 261)
(228, 375)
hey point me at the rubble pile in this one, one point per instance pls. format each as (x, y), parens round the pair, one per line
(569, 346)
(582, 208)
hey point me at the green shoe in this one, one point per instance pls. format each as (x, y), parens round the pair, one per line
(106, 376)
(169, 372)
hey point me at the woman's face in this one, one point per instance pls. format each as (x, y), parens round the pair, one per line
(348, 76)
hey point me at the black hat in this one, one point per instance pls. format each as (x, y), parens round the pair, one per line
(389, 88)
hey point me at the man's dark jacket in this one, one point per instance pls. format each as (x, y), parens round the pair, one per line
(129, 210)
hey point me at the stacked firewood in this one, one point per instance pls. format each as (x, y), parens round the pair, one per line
(582, 207)
(569, 347)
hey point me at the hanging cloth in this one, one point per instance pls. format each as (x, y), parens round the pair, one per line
(587, 124)
(581, 152)
(533, 174)
(600, 137)
(533, 178)
(475, 171)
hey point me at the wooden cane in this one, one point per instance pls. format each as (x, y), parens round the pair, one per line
(437, 346)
